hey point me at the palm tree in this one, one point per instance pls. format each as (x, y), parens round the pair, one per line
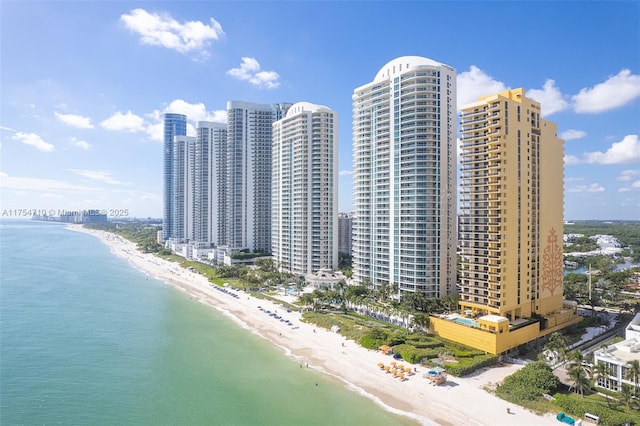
(633, 373)
(557, 344)
(602, 371)
(626, 396)
(578, 371)
(579, 378)
(421, 320)
(306, 299)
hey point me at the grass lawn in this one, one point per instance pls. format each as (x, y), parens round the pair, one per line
(594, 403)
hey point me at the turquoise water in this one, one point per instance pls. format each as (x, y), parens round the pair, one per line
(466, 321)
(86, 339)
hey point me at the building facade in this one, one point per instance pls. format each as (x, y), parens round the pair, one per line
(210, 179)
(305, 189)
(511, 226)
(404, 164)
(345, 221)
(618, 359)
(174, 125)
(249, 157)
(183, 212)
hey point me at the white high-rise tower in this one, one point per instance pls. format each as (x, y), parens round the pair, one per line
(249, 130)
(210, 183)
(304, 188)
(183, 164)
(404, 165)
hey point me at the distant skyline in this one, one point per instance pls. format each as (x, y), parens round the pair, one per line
(84, 85)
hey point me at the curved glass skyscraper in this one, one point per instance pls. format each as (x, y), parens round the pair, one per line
(174, 125)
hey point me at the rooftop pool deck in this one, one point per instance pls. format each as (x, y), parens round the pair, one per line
(462, 320)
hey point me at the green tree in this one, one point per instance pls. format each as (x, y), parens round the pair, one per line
(266, 265)
(557, 345)
(528, 383)
(414, 301)
(578, 371)
(306, 300)
(633, 374)
(626, 396)
(602, 371)
(421, 320)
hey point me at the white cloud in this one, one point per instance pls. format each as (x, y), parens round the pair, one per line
(128, 122)
(572, 134)
(196, 112)
(50, 195)
(8, 128)
(155, 131)
(99, 175)
(550, 98)
(634, 186)
(83, 145)
(153, 123)
(573, 179)
(265, 79)
(625, 151)
(47, 185)
(75, 120)
(627, 175)
(33, 140)
(345, 172)
(475, 83)
(594, 187)
(246, 69)
(570, 160)
(615, 92)
(249, 70)
(160, 29)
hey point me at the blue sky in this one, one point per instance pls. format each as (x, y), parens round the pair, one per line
(84, 84)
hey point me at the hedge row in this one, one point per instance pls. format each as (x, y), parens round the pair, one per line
(469, 365)
(425, 343)
(415, 355)
(577, 407)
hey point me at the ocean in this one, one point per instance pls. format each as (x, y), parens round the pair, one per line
(86, 339)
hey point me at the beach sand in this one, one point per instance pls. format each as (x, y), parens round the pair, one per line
(460, 401)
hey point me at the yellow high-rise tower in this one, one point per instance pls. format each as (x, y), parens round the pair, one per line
(511, 226)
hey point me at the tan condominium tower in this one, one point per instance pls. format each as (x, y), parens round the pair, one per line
(404, 174)
(511, 207)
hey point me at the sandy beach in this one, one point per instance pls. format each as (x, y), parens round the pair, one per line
(460, 401)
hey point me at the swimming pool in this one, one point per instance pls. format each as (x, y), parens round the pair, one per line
(466, 321)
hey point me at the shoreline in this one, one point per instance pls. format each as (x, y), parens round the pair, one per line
(458, 401)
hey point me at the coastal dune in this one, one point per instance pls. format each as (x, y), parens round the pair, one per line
(460, 401)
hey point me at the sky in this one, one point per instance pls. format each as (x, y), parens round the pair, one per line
(84, 85)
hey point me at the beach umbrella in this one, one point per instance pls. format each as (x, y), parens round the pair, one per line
(387, 368)
(393, 363)
(400, 366)
(381, 365)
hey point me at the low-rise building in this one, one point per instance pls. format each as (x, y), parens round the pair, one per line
(617, 358)
(325, 279)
